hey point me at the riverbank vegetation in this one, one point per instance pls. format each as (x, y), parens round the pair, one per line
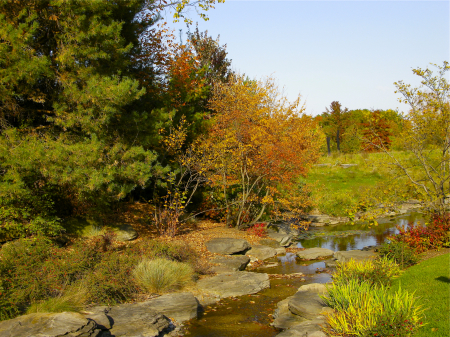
(377, 298)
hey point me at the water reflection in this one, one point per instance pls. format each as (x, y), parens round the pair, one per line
(358, 236)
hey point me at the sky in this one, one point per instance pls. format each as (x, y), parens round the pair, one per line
(346, 51)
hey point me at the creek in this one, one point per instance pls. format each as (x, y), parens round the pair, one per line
(250, 315)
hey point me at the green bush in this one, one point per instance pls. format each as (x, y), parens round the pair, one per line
(400, 252)
(162, 275)
(378, 272)
(360, 309)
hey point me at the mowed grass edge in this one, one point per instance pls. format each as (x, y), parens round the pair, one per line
(430, 280)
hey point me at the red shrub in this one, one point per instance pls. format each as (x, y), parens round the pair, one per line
(424, 237)
(258, 230)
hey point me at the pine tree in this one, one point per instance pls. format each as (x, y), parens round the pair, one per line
(77, 130)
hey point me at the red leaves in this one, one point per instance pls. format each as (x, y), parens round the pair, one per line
(424, 237)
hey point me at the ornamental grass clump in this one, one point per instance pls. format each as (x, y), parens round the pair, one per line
(375, 272)
(162, 275)
(361, 309)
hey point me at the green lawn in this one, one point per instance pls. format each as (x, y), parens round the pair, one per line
(430, 280)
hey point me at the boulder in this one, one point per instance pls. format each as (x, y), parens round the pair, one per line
(237, 283)
(357, 255)
(270, 242)
(280, 250)
(125, 232)
(227, 245)
(283, 317)
(306, 304)
(310, 328)
(283, 239)
(230, 263)
(314, 253)
(318, 288)
(103, 321)
(261, 252)
(178, 306)
(69, 324)
(137, 319)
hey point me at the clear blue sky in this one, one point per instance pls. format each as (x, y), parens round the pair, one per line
(346, 51)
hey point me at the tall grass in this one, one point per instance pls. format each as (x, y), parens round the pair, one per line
(375, 272)
(162, 275)
(361, 309)
(365, 306)
(72, 300)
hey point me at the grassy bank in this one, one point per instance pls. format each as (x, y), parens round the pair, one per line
(430, 280)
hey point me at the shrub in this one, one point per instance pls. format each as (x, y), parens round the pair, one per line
(379, 272)
(162, 275)
(258, 229)
(361, 309)
(423, 237)
(399, 252)
(111, 280)
(35, 269)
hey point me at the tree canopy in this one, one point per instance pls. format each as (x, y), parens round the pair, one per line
(80, 124)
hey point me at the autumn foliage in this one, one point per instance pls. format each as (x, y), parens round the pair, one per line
(257, 143)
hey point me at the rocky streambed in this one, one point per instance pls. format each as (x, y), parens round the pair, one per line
(260, 290)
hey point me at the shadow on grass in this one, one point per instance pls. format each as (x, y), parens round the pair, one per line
(443, 279)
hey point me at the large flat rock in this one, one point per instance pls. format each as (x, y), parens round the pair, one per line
(318, 288)
(357, 255)
(230, 263)
(178, 306)
(227, 245)
(136, 319)
(234, 284)
(314, 253)
(261, 252)
(282, 238)
(49, 325)
(306, 304)
(310, 328)
(283, 317)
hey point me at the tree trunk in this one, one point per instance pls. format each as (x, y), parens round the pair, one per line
(338, 142)
(328, 145)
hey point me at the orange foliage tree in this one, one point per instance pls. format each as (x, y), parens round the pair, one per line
(258, 145)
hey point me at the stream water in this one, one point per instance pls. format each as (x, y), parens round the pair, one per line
(250, 315)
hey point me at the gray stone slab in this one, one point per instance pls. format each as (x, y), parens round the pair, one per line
(261, 252)
(357, 255)
(49, 325)
(179, 306)
(234, 284)
(230, 263)
(314, 253)
(227, 245)
(306, 304)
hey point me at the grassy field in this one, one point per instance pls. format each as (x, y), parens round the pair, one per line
(430, 280)
(337, 189)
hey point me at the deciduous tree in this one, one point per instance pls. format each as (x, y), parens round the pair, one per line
(428, 139)
(259, 143)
